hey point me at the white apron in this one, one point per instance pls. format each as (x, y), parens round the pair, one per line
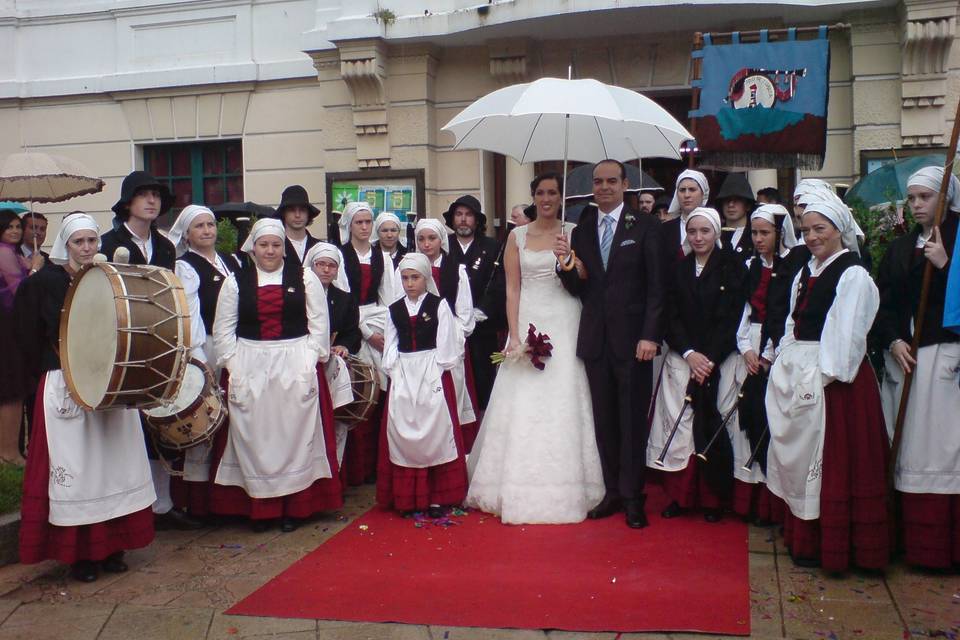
(341, 392)
(419, 428)
(725, 401)
(465, 411)
(796, 413)
(673, 386)
(275, 443)
(196, 460)
(929, 460)
(98, 460)
(373, 319)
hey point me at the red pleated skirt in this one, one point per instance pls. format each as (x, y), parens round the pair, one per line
(40, 540)
(689, 488)
(854, 527)
(471, 429)
(360, 454)
(323, 495)
(409, 489)
(755, 501)
(931, 529)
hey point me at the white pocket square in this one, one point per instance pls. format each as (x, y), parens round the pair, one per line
(628, 241)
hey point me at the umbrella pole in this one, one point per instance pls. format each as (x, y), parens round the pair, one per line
(566, 143)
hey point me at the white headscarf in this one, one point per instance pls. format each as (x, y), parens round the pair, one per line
(769, 212)
(421, 263)
(71, 224)
(346, 218)
(811, 185)
(387, 216)
(839, 214)
(328, 250)
(178, 232)
(696, 176)
(931, 177)
(437, 226)
(828, 195)
(710, 214)
(263, 227)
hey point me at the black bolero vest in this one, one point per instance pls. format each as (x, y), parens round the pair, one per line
(449, 281)
(351, 264)
(423, 336)
(210, 282)
(809, 321)
(294, 320)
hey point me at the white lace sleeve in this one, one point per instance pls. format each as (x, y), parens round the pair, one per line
(225, 324)
(843, 343)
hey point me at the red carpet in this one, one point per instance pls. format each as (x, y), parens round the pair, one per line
(678, 575)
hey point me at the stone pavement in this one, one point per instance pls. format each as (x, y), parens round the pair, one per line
(180, 585)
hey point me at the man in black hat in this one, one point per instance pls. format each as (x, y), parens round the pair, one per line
(480, 256)
(143, 199)
(296, 213)
(735, 202)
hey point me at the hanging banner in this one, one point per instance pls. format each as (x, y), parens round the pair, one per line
(763, 104)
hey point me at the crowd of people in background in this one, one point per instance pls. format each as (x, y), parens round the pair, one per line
(721, 351)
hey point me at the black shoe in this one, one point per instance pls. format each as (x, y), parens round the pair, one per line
(610, 505)
(259, 526)
(176, 519)
(806, 563)
(435, 511)
(672, 511)
(636, 516)
(713, 515)
(289, 525)
(85, 571)
(114, 563)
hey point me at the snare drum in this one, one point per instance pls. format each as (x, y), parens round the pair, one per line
(124, 336)
(366, 392)
(194, 415)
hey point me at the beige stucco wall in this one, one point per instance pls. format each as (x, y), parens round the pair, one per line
(294, 131)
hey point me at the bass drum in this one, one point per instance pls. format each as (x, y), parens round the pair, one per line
(124, 336)
(366, 392)
(195, 414)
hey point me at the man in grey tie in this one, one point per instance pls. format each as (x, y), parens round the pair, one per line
(613, 263)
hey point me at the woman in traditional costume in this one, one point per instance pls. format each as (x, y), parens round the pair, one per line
(369, 272)
(87, 488)
(453, 284)
(276, 458)
(828, 448)
(771, 228)
(202, 270)
(391, 236)
(927, 474)
(422, 464)
(703, 313)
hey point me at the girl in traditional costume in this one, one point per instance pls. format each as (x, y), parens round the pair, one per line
(703, 313)
(422, 464)
(276, 458)
(828, 449)
(927, 474)
(87, 489)
(390, 236)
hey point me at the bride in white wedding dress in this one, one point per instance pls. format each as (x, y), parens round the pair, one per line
(535, 459)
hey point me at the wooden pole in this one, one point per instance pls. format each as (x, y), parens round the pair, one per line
(696, 68)
(922, 307)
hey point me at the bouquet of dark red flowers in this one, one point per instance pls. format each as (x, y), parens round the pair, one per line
(537, 347)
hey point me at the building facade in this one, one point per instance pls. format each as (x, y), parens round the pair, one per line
(235, 99)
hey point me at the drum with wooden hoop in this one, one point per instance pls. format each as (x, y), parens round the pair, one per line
(124, 336)
(366, 392)
(194, 415)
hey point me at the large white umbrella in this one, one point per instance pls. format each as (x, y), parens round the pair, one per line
(554, 119)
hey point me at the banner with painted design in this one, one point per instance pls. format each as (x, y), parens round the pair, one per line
(763, 104)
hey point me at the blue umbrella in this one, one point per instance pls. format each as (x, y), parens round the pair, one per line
(889, 182)
(16, 207)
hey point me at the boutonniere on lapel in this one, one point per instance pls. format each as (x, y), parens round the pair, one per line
(629, 220)
(476, 264)
(425, 316)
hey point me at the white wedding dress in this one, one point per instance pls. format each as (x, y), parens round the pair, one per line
(535, 459)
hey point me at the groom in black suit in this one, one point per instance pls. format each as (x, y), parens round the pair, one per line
(615, 267)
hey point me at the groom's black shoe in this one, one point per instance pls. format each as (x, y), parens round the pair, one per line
(636, 516)
(610, 505)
